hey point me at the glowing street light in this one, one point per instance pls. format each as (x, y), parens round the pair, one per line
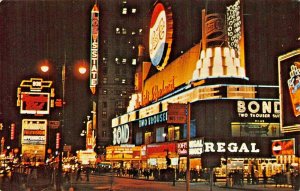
(81, 68)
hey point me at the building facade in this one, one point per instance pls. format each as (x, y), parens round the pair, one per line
(225, 119)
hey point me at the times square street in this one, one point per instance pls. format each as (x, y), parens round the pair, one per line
(108, 181)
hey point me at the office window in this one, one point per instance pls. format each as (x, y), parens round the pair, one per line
(140, 31)
(139, 138)
(123, 81)
(120, 104)
(160, 134)
(104, 114)
(104, 80)
(124, 11)
(133, 62)
(124, 31)
(104, 91)
(117, 61)
(133, 10)
(104, 70)
(148, 138)
(124, 60)
(118, 30)
(117, 70)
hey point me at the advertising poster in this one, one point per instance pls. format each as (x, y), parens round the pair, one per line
(289, 84)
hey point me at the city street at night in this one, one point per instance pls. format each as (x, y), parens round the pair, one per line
(149, 95)
(108, 181)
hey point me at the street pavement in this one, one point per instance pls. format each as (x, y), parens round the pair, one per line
(108, 182)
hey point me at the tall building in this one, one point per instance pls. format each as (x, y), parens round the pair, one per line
(122, 29)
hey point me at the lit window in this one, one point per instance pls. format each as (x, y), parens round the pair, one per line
(117, 79)
(124, 1)
(104, 81)
(133, 10)
(124, 11)
(117, 60)
(104, 92)
(124, 31)
(133, 62)
(133, 47)
(124, 92)
(139, 138)
(133, 33)
(148, 138)
(124, 60)
(104, 114)
(118, 31)
(140, 31)
(123, 81)
(103, 133)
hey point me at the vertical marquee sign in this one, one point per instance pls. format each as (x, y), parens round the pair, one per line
(94, 48)
(289, 86)
(35, 97)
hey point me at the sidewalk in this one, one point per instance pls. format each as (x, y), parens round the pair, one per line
(222, 184)
(43, 184)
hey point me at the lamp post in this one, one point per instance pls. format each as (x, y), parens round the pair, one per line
(82, 69)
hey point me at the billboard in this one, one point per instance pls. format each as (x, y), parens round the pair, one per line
(283, 147)
(160, 35)
(289, 85)
(37, 103)
(34, 131)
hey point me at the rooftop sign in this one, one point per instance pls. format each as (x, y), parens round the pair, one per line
(160, 36)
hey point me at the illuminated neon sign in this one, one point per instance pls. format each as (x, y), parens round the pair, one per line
(35, 103)
(34, 131)
(94, 48)
(160, 36)
(283, 147)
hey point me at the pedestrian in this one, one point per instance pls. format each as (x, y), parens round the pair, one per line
(265, 178)
(252, 175)
(297, 182)
(78, 175)
(214, 178)
(87, 172)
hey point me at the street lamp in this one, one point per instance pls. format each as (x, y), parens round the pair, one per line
(82, 69)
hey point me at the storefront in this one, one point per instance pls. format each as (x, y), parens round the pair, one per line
(124, 156)
(157, 154)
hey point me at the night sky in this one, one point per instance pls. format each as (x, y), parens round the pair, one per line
(59, 30)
